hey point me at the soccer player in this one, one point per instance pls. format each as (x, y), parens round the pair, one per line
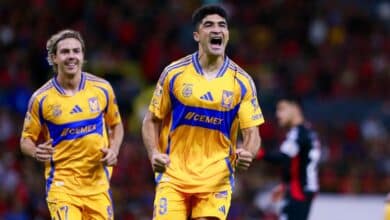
(73, 126)
(299, 155)
(190, 131)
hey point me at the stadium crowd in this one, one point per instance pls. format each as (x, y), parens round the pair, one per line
(333, 54)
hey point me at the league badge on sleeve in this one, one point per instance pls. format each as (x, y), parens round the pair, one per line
(187, 90)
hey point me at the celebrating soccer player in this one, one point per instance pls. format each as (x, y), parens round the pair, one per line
(190, 131)
(78, 119)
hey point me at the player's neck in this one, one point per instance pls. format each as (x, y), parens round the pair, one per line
(298, 120)
(210, 64)
(69, 83)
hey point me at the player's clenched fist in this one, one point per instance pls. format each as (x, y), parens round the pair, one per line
(244, 159)
(159, 162)
(44, 151)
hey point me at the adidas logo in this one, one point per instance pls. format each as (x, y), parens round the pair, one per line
(207, 97)
(76, 109)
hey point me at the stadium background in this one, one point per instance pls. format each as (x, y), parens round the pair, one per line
(334, 54)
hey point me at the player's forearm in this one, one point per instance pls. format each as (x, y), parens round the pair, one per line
(150, 133)
(116, 137)
(251, 140)
(28, 147)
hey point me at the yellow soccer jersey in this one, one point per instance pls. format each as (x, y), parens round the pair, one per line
(77, 125)
(200, 121)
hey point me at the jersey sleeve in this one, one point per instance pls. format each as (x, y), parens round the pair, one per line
(112, 115)
(250, 113)
(32, 124)
(160, 104)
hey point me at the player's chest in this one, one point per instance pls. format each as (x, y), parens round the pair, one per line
(62, 109)
(217, 93)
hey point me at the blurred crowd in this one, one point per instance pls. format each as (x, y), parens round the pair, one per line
(333, 54)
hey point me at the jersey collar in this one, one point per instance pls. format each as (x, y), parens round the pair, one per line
(61, 90)
(198, 67)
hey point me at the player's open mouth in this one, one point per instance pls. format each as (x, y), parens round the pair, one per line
(71, 65)
(216, 41)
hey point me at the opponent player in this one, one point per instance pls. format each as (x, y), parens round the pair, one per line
(76, 117)
(190, 131)
(299, 155)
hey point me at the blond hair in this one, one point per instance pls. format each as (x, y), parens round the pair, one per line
(51, 44)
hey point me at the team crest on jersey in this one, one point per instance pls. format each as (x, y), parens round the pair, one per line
(187, 90)
(227, 99)
(55, 110)
(93, 104)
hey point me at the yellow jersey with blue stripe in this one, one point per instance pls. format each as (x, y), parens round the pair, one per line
(200, 122)
(77, 125)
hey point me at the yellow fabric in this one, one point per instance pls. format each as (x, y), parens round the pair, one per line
(64, 206)
(201, 119)
(173, 204)
(77, 125)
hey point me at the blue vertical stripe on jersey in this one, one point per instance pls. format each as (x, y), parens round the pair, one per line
(74, 130)
(172, 82)
(107, 97)
(231, 171)
(180, 111)
(158, 178)
(169, 146)
(243, 88)
(108, 180)
(49, 180)
(40, 110)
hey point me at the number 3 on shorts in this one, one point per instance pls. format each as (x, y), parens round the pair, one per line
(163, 206)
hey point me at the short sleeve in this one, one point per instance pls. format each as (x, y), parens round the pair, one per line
(160, 104)
(250, 113)
(32, 123)
(112, 116)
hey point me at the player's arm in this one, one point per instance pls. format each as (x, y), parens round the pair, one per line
(116, 133)
(250, 117)
(31, 130)
(275, 157)
(41, 152)
(250, 146)
(150, 134)
(288, 149)
(115, 130)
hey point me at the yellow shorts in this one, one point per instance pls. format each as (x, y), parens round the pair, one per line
(172, 204)
(63, 206)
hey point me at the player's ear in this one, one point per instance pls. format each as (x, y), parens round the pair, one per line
(53, 58)
(196, 36)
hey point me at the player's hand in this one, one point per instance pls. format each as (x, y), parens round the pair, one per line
(110, 157)
(244, 159)
(44, 151)
(159, 162)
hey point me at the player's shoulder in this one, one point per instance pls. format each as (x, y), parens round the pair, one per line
(96, 80)
(44, 90)
(174, 67)
(239, 71)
